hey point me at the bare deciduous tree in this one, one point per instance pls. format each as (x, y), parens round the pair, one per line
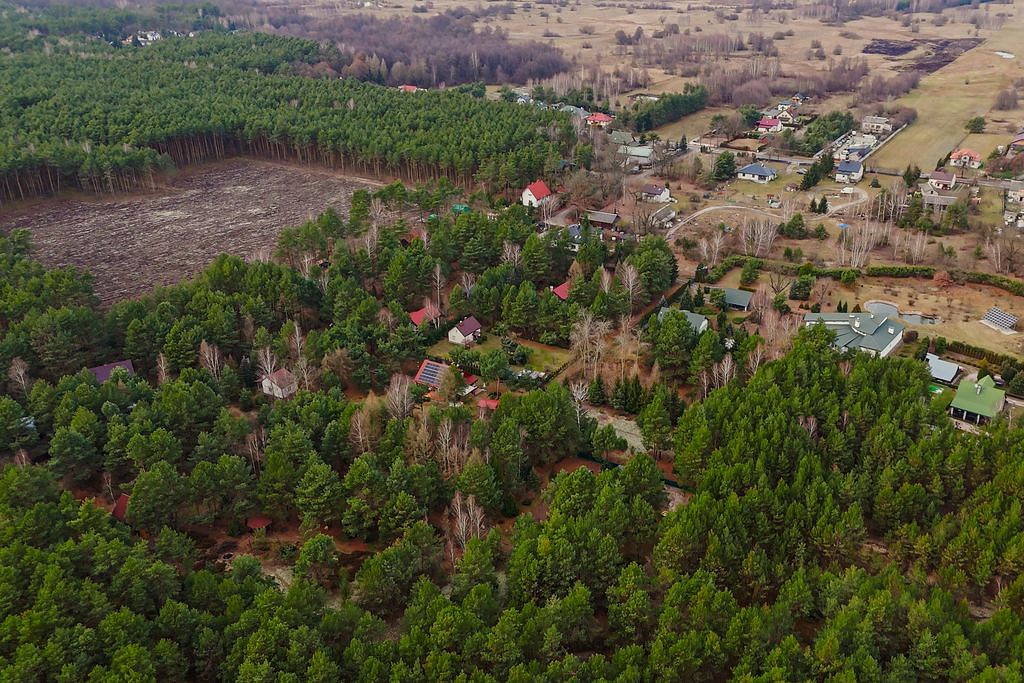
(438, 280)
(18, 375)
(255, 446)
(578, 391)
(163, 368)
(629, 276)
(306, 373)
(466, 519)
(512, 254)
(266, 362)
(588, 339)
(399, 397)
(210, 358)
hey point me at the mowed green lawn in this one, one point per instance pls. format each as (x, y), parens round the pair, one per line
(948, 98)
(543, 358)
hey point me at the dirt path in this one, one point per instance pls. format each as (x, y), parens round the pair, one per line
(725, 207)
(862, 197)
(133, 243)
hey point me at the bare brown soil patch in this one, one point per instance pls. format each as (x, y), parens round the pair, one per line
(133, 243)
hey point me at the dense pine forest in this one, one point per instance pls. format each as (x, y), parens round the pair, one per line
(839, 527)
(107, 119)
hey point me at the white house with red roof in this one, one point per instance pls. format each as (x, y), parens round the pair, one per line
(466, 332)
(965, 158)
(599, 119)
(537, 193)
(767, 125)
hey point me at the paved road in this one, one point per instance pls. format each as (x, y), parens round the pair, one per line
(723, 207)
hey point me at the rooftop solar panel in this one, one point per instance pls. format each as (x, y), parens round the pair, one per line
(1000, 318)
(431, 372)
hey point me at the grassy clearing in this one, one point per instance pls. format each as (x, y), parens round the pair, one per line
(543, 358)
(692, 125)
(949, 97)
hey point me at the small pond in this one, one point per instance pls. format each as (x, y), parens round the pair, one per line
(891, 310)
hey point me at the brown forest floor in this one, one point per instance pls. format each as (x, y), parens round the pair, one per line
(132, 243)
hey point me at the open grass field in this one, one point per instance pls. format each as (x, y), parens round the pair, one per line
(543, 358)
(133, 243)
(946, 99)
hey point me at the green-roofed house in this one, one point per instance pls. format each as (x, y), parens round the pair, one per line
(977, 402)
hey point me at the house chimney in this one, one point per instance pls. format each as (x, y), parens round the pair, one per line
(977, 389)
(856, 322)
(892, 330)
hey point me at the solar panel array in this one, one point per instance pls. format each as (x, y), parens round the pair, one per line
(432, 372)
(1000, 318)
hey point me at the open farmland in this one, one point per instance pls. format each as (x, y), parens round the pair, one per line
(132, 244)
(946, 99)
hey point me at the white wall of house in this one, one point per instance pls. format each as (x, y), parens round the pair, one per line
(763, 180)
(455, 337)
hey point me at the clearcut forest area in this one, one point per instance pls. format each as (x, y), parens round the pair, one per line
(132, 243)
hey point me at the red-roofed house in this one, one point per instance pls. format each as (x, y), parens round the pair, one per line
(427, 314)
(537, 193)
(486, 405)
(1017, 143)
(280, 384)
(409, 88)
(562, 291)
(767, 125)
(120, 507)
(599, 119)
(965, 158)
(466, 332)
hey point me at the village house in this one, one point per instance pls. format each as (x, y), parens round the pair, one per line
(427, 314)
(656, 193)
(978, 402)
(767, 125)
(876, 124)
(466, 332)
(875, 334)
(641, 156)
(942, 180)
(562, 290)
(942, 371)
(279, 384)
(757, 173)
(965, 158)
(849, 172)
(621, 137)
(536, 193)
(409, 88)
(603, 219)
(1017, 143)
(786, 117)
(736, 299)
(103, 372)
(576, 112)
(933, 199)
(431, 374)
(599, 119)
(698, 322)
(1015, 191)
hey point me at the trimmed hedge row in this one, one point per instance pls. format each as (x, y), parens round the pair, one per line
(900, 271)
(972, 351)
